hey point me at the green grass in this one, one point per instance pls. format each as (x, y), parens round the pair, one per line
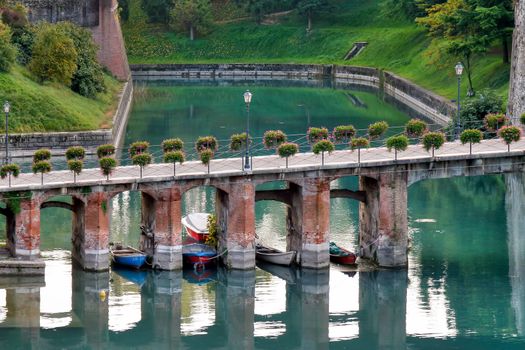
(394, 44)
(54, 107)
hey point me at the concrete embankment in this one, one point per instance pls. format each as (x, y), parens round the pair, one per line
(421, 101)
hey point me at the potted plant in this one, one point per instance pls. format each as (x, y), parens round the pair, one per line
(206, 143)
(8, 170)
(509, 134)
(358, 143)
(322, 147)
(238, 142)
(274, 138)
(315, 135)
(42, 167)
(287, 150)
(433, 141)
(171, 145)
(471, 136)
(343, 133)
(399, 143)
(107, 165)
(174, 157)
(416, 128)
(206, 156)
(75, 160)
(41, 154)
(106, 150)
(142, 160)
(494, 121)
(138, 147)
(376, 130)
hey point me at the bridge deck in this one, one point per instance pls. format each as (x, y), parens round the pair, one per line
(372, 157)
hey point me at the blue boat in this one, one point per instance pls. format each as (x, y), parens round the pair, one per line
(128, 257)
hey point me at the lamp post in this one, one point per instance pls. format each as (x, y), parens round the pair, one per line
(7, 108)
(459, 72)
(307, 114)
(247, 101)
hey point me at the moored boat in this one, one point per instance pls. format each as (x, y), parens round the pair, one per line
(341, 256)
(196, 225)
(274, 256)
(198, 255)
(127, 256)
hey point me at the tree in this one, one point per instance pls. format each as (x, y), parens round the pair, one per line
(471, 136)
(158, 11)
(433, 141)
(286, 150)
(192, 16)
(88, 79)
(54, 55)
(398, 143)
(311, 8)
(7, 50)
(509, 134)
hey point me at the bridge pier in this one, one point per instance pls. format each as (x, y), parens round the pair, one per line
(25, 242)
(236, 217)
(383, 218)
(308, 222)
(161, 212)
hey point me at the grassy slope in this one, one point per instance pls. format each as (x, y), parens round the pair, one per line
(53, 107)
(396, 45)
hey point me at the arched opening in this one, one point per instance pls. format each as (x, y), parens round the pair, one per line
(7, 220)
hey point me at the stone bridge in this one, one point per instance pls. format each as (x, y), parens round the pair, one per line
(383, 182)
(100, 16)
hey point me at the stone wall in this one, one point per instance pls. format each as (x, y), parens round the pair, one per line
(418, 99)
(81, 12)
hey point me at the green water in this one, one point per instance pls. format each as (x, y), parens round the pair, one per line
(464, 289)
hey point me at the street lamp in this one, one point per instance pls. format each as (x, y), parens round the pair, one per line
(307, 114)
(7, 108)
(459, 72)
(247, 100)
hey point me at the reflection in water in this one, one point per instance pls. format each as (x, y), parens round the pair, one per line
(515, 202)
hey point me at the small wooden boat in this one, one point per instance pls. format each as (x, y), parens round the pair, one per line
(274, 256)
(196, 225)
(127, 256)
(341, 256)
(198, 255)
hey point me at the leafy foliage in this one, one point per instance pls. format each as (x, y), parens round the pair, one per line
(6, 169)
(124, 9)
(23, 39)
(157, 10)
(206, 156)
(206, 143)
(213, 231)
(510, 134)
(323, 146)
(316, 134)
(343, 133)
(41, 154)
(142, 159)
(238, 141)
(312, 8)
(138, 147)
(105, 150)
(376, 130)
(42, 166)
(274, 138)
(191, 16)
(54, 55)
(359, 142)
(471, 136)
(415, 128)
(399, 143)
(174, 157)
(287, 149)
(7, 50)
(433, 140)
(493, 121)
(107, 165)
(476, 108)
(522, 119)
(75, 165)
(75, 152)
(171, 145)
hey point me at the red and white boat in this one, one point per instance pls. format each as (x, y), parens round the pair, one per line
(196, 225)
(341, 256)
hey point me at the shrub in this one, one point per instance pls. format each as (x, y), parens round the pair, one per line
(7, 50)
(376, 130)
(138, 147)
(287, 149)
(206, 143)
(23, 39)
(415, 128)
(398, 143)
(274, 138)
(433, 141)
(471, 136)
(206, 156)
(343, 133)
(174, 157)
(157, 10)
(41, 154)
(105, 150)
(54, 55)
(75, 153)
(213, 229)
(474, 109)
(522, 119)
(359, 142)
(509, 134)
(107, 165)
(315, 135)
(238, 141)
(323, 146)
(142, 159)
(42, 166)
(75, 165)
(171, 145)
(494, 121)
(6, 169)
